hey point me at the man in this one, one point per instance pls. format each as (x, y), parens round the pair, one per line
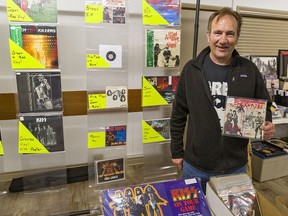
(204, 83)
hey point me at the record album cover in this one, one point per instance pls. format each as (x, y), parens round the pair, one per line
(105, 11)
(32, 10)
(112, 54)
(156, 128)
(165, 86)
(116, 96)
(161, 12)
(243, 117)
(110, 170)
(33, 46)
(162, 47)
(115, 135)
(170, 198)
(41, 131)
(39, 91)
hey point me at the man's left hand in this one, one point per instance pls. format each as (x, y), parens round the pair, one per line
(268, 130)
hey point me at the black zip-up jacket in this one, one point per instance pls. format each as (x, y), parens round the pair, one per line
(205, 147)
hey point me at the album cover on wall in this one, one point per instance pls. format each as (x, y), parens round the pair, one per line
(39, 91)
(33, 46)
(116, 96)
(162, 12)
(32, 10)
(169, 198)
(105, 11)
(112, 54)
(109, 170)
(156, 130)
(162, 47)
(158, 90)
(243, 117)
(267, 65)
(41, 133)
(115, 135)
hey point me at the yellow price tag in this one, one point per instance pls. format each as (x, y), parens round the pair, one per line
(151, 16)
(96, 61)
(96, 139)
(96, 101)
(149, 134)
(93, 13)
(27, 142)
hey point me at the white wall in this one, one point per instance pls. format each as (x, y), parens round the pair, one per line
(72, 47)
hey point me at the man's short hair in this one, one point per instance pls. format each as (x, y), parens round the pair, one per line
(223, 12)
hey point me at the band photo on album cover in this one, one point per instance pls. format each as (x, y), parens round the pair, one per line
(39, 91)
(115, 135)
(110, 170)
(243, 117)
(47, 129)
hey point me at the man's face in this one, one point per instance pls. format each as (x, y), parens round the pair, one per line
(222, 39)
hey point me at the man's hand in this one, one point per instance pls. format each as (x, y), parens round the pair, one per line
(268, 130)
(178, 163)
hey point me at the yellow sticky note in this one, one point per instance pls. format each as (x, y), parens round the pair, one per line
(28, 143)
(15, 13)
(150, 96)
(149, 134)
(1, 148)
(20, 59)
(96, 61)
(151, 16)
(93, 13)
(96, 101)
(96, 139)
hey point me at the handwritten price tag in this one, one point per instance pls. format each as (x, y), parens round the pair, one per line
(93, 13)
(96, 101)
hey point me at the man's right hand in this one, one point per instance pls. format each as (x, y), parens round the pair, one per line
(178, 163)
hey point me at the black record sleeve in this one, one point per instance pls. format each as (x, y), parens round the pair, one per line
(47, 129)
(39, 91)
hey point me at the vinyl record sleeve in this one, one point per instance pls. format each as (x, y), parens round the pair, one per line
(243, 117)
(162, 47)
(115, 135)
(47, 129)
(162, 126)
(116, 96)
(39, 91)
(165, 86)
(169, 10)
(32, 10)
(37, 43)
(112, 54)
(170, 198)
(109, 170)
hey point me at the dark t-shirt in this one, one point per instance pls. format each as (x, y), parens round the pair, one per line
(217, 77)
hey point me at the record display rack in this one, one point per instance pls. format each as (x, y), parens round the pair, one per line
(162, 61)
(107, 36)
(34, 57)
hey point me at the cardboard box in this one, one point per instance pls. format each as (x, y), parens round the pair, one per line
(281, 203)
(264, 169)
(215, 204)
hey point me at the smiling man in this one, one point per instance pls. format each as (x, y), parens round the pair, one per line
(204, 83)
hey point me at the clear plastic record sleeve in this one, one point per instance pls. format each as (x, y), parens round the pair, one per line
(243, 117)
(39, 91)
